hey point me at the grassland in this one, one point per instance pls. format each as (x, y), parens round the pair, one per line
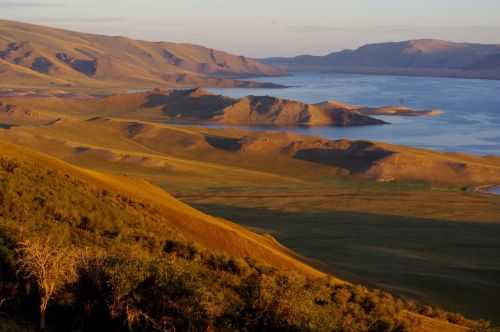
(438, 245)
(435, 241)
(205, 273)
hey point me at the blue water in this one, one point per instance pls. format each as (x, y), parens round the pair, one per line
(494, 190)
(470, 123)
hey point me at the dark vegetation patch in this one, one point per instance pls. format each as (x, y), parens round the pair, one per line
(358, 157)
(7, 108)
(87, 67)
(344, 118)
(224, 143)
(11, 48)
(263, 104)
(42, 65)
(134, 129)
(171, 58)
(97, 118)
(189, 104)
(82, 149)
(219, 63)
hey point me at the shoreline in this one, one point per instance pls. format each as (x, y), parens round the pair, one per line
(489, 189)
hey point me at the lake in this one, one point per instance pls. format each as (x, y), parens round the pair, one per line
(470, 122)
(494, 190)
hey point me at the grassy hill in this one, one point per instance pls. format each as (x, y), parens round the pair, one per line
(118, 120)
(198, 106)
(174, 215)
(205, 273)
(32, 55)
(316, 196)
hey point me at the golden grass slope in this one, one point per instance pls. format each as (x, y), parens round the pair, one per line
(41, 56)
(14, 115)
(17, 76)
(214, 233)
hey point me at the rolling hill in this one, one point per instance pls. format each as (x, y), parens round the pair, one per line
(118, 120)
(32, 55)
(139, 241)
(198, 106)
(424, 57)
(278, 177)
(173, 216)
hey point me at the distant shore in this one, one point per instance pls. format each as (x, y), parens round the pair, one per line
(489, 189)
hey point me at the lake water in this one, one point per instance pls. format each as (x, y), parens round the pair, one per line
(493, 190)
(470, 122)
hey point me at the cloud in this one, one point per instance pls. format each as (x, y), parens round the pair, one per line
(17, 4)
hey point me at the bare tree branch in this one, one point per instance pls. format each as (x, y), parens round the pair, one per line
(50, 265)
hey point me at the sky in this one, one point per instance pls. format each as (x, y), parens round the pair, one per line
(263, 28)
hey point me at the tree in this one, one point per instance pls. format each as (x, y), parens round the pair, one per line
(50, 265)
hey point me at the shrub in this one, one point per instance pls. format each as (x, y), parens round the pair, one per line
(188, 251)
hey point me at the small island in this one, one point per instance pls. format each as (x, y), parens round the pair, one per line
(378, 111)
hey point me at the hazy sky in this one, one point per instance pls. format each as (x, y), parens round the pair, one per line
(269, 27)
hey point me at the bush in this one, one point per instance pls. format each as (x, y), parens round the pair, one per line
(181, 249)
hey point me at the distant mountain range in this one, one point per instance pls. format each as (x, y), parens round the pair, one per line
(424, 57)
(32, 55)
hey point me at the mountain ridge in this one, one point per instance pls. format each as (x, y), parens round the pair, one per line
(39, 55)
(419, 57)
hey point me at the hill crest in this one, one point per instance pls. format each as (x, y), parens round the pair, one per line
(37, 55)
